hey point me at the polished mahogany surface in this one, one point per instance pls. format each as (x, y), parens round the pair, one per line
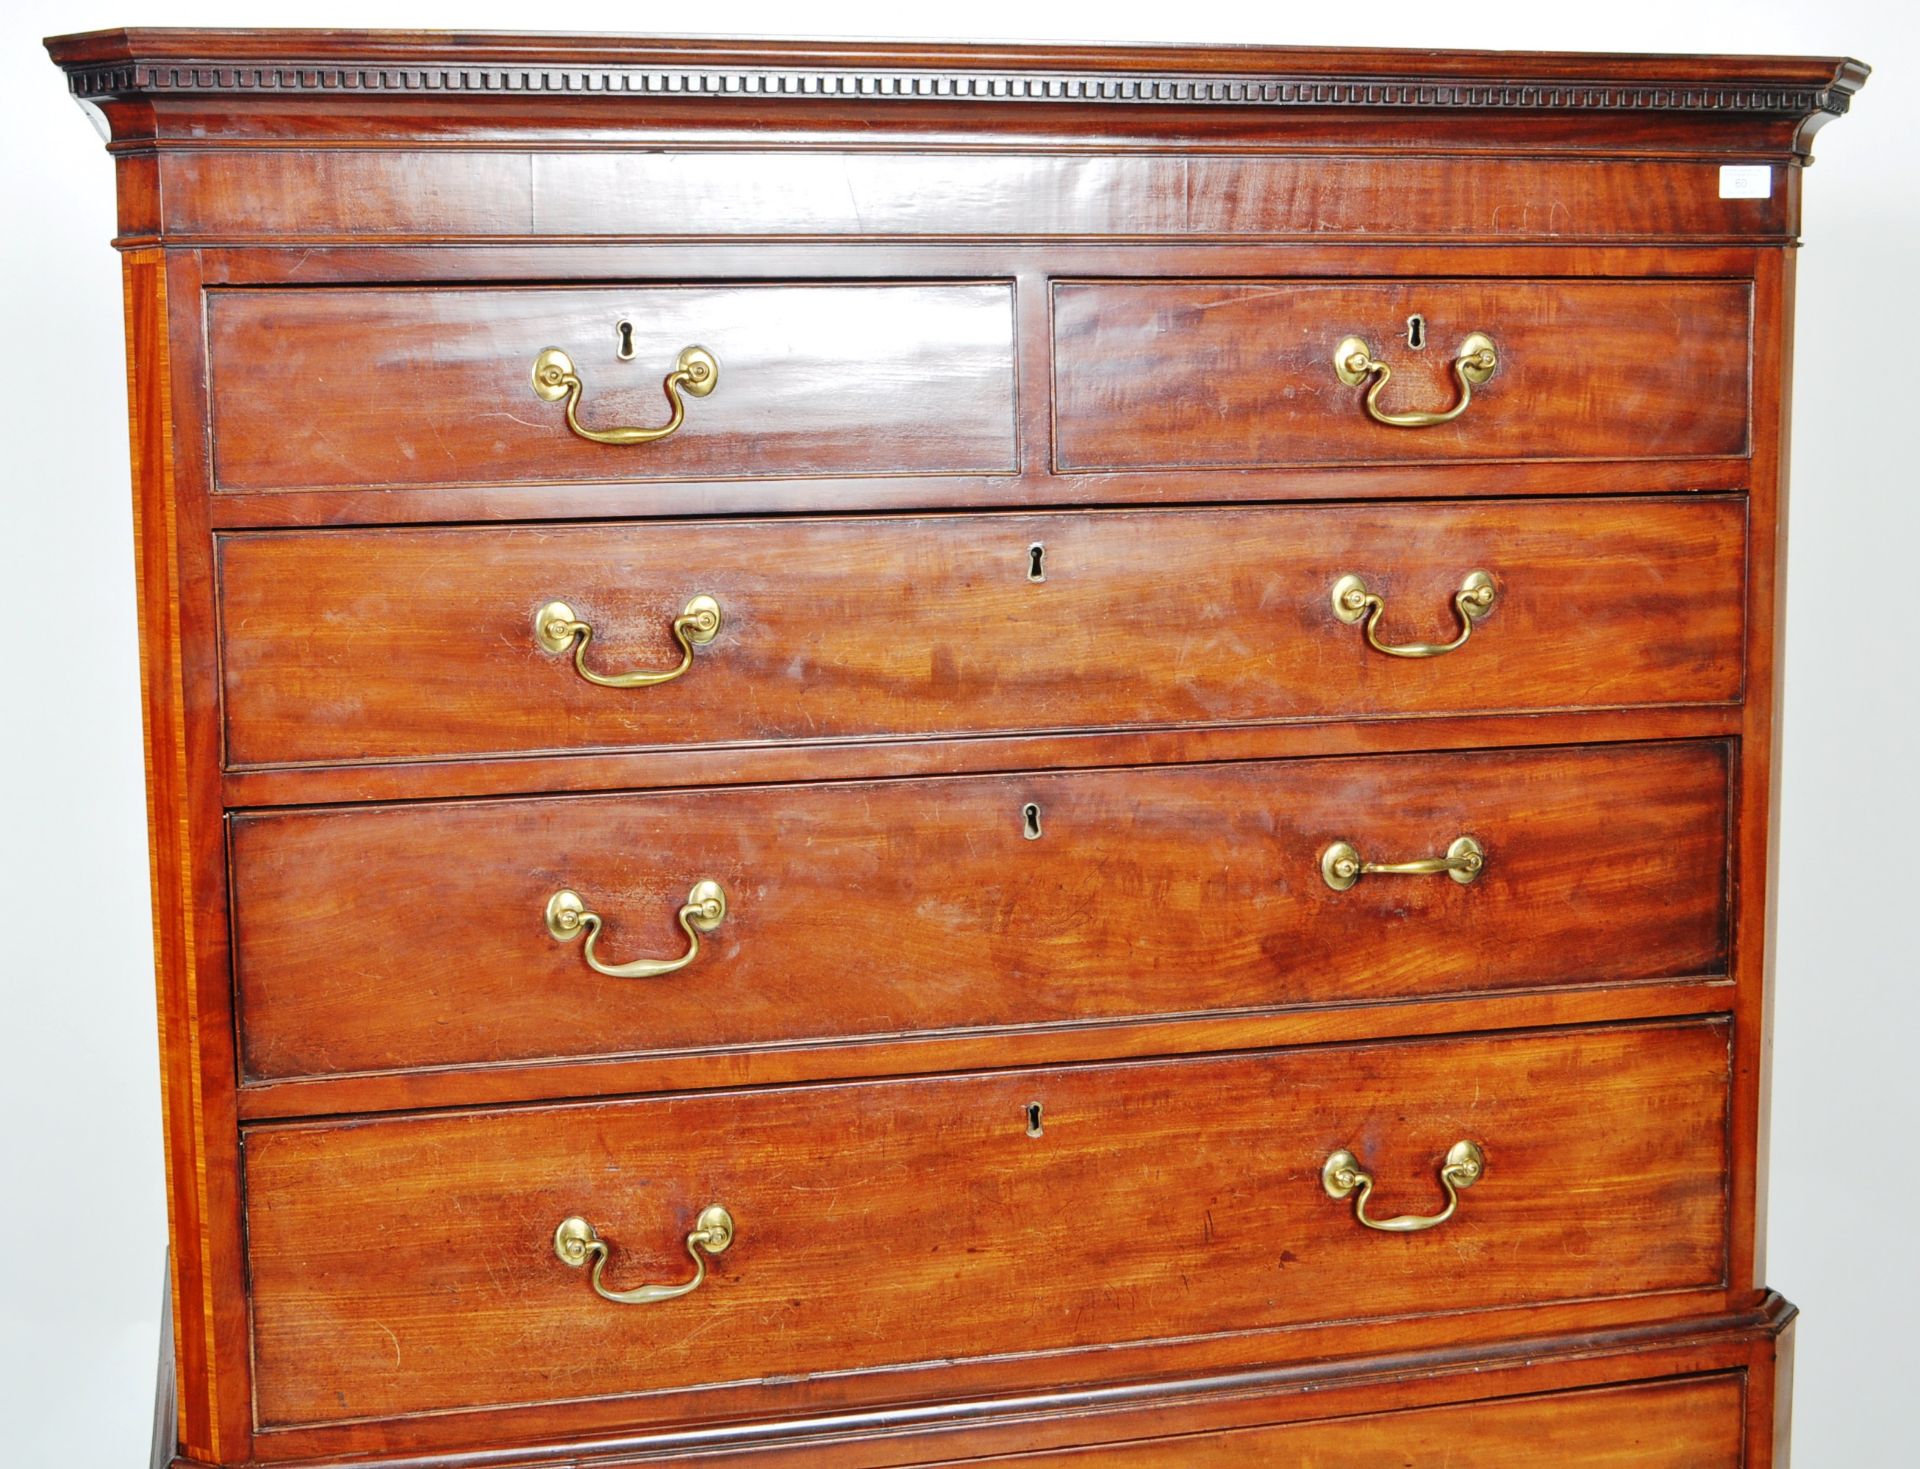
(935, 1220)
(395, 937)
(383, 387)
(419, 644)
(1064, 565)
(1233, 374)
(1692, 1423)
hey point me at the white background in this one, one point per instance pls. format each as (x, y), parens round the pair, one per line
(81, 1219)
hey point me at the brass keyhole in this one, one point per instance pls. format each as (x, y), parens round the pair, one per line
(1416, 331)
(1034, 1129)
(1030, 821)
(625, 329)
(1037, 561)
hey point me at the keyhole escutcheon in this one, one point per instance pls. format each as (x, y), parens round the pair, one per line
(1030, 821)
(1034, 1129)
(1037, 561)
(625, 332)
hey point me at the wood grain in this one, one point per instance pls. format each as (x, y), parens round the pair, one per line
(186, 852)
(1168, 1403)
(372, 387)
(395, 644)
(1205, 374)
(1032, 265)
(1046, 284)
(1693, 1424)
(503, 1083)
(410, 936)
(406, 1265)
(245, 195)
(1737, 1350)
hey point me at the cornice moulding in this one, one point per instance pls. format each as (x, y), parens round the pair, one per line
(126, 64)
(155, 78)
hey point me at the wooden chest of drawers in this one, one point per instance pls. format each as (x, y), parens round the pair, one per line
(870, 755)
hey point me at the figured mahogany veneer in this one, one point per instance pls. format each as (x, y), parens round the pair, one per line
(1029, 475)
(393, 937)
(1059, 193)
(887, 1223)
(415, 644)
(1218, 374)
(361, 387)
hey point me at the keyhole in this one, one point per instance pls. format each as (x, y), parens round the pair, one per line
(1037, 561)
(625, 329)
(1416, 332)
(1030, 821)
(1033, 1120)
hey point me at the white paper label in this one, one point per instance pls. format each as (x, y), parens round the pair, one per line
(1746, 180)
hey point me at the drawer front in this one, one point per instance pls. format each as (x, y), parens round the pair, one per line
(348, 646)
(1226, 374)
(1694, 1423)
(434, 386)
(391, 937)
(409, 1264)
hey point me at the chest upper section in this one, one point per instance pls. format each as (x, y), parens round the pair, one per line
(238, 137)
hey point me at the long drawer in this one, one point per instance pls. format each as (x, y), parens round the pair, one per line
(421, 1263)
(1249, 374)
(392, 937)
(1691, 1423)
(397, 644)
(416, 386)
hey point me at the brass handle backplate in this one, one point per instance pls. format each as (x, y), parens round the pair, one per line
(577, 1241)
(1354, 361)
(554, 378)
(705, 910)
(1342, 1174)
(556, 629)
(1352, 602)
(1342, 866)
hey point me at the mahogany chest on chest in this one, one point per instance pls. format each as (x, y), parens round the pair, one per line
(868, 755)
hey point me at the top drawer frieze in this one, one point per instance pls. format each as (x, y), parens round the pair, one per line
(665, 192)
(419, 386)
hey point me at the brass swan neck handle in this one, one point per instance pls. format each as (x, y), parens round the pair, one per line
(1342, 866)
(568, 917)
(556, 629)
(554, 378)
(576, 1242)
(1354, 362)
(1353, 602)
(1342, 1174)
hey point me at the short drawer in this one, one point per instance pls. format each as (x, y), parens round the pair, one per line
(411, 1264)
(1692, 1423)
(393, 937)
(420, 386)
(346, 646)
(1246, 374)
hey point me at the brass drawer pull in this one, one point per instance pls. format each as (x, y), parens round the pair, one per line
(575, 1241)
(1463, 1168)
(556, 629)
(554, 378)
(1354, 361)
(1352, 601)
(1342, 866)
(705, 910)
